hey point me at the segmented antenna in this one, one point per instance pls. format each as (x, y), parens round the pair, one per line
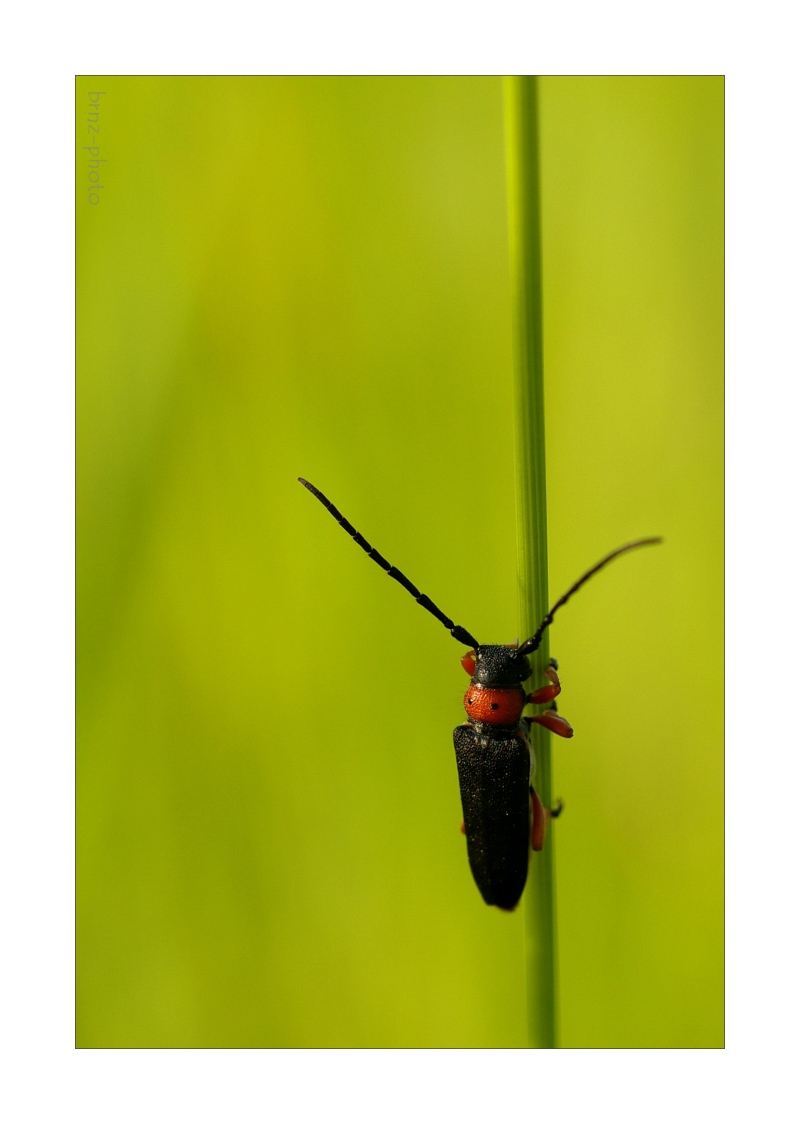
(534, 642)
(460, 634)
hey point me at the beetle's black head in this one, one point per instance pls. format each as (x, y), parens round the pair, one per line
(497, 665)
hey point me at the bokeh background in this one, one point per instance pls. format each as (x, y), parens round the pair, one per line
(309, 276)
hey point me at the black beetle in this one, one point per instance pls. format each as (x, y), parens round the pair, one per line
(503, 815)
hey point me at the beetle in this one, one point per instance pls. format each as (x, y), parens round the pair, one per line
(503, 814)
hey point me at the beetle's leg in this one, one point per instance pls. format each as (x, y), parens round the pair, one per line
(463, 828)
(468, 662)
(541, 818)
(548, 693)
(553, 722)
(539, 824)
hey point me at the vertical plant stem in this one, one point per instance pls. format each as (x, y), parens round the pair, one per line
(522, 154)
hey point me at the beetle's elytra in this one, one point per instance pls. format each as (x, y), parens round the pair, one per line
(503, 815)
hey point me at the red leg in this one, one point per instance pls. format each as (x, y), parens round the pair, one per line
(553, 722)
(546, 694)
(541, 819)
(539, 825)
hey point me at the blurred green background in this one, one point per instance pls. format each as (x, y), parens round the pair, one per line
(309, 276)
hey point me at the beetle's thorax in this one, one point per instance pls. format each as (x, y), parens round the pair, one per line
(494, 706)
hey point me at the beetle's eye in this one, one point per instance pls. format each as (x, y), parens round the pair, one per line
(468, 662)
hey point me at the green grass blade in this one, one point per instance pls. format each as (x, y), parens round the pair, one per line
(522, 153)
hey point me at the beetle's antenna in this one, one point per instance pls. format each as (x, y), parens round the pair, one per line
(460, 634)
(534, 642)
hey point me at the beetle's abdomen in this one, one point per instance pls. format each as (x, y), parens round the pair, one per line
(498, 706)
(494, 776)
